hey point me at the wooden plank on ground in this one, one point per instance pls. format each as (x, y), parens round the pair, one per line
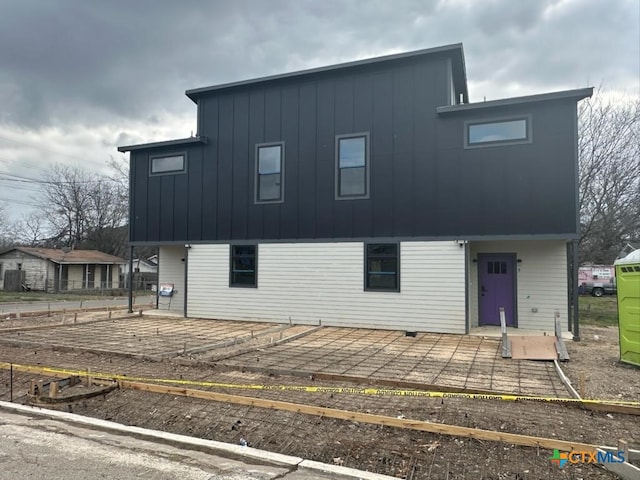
(424, 426)
(604, 407)
(533, 347)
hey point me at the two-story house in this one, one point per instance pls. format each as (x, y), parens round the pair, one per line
(368, 194)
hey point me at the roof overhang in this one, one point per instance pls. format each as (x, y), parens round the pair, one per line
(575, 95)
(453, 51)
(168, 143)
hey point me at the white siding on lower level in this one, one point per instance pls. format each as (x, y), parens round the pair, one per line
(541, 283)
(171, 270)
(311, 283)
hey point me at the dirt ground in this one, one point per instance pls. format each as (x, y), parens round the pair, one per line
(407, 454)
(595, 370)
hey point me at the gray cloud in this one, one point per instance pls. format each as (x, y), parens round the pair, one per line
(112, 72)
(92, 60)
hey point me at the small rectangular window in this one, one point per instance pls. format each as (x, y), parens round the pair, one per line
(501, 132)
(269, 172)
(168, 164)
(352, 166)
(382, 262)
(243, 266)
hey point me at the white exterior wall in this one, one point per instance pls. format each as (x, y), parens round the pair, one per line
(541, 281)
(114, 271)
(324, 282)
(36, 270)
(171, 267)
(75, 276)
(97, 276)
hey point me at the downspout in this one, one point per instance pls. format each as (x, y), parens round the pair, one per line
(130, 280)
(186, 276)
(467, 327)
(46, 277)
(574, 243)
(576, 311)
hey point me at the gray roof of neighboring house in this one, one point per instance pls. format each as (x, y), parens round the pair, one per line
(71, 257)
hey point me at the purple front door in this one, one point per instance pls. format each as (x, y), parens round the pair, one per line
(496, 285)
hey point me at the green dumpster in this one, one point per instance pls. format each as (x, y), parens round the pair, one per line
(628, 280)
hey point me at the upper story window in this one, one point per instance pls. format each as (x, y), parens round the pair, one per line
(352, 166)
(502, 132)
(168, 164)
(270, 172)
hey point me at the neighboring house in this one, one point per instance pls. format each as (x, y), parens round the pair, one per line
(141, 265)
(51, 270)
(145, 273)
(367, 194)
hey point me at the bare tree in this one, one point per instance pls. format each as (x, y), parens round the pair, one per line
(609, 158)
(30, 230)
(66, 201)
(5, 230)
(85, 210)
(108, 212)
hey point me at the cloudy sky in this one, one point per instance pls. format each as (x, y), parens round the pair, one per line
(80, 77)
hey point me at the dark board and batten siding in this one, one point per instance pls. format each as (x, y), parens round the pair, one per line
(423, 182)
(526, 188)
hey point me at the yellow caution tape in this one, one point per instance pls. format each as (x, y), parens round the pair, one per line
(309, 389)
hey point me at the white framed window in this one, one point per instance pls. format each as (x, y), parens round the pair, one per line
(168, 164)
(352, 166)
(269, 181)
(506, 131)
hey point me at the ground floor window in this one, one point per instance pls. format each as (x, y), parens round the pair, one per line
(382, 267)
(243, 270)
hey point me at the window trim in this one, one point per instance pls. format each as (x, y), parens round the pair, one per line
(182, 154)
(367, 166)
(256, 174)
(498, 143)
(255, 273)
(366, 268)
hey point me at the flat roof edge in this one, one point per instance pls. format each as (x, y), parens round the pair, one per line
(166, 143)
(195, 92)
(566, 237)
(577, 94)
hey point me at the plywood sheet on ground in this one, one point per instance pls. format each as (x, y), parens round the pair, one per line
(533, 348)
